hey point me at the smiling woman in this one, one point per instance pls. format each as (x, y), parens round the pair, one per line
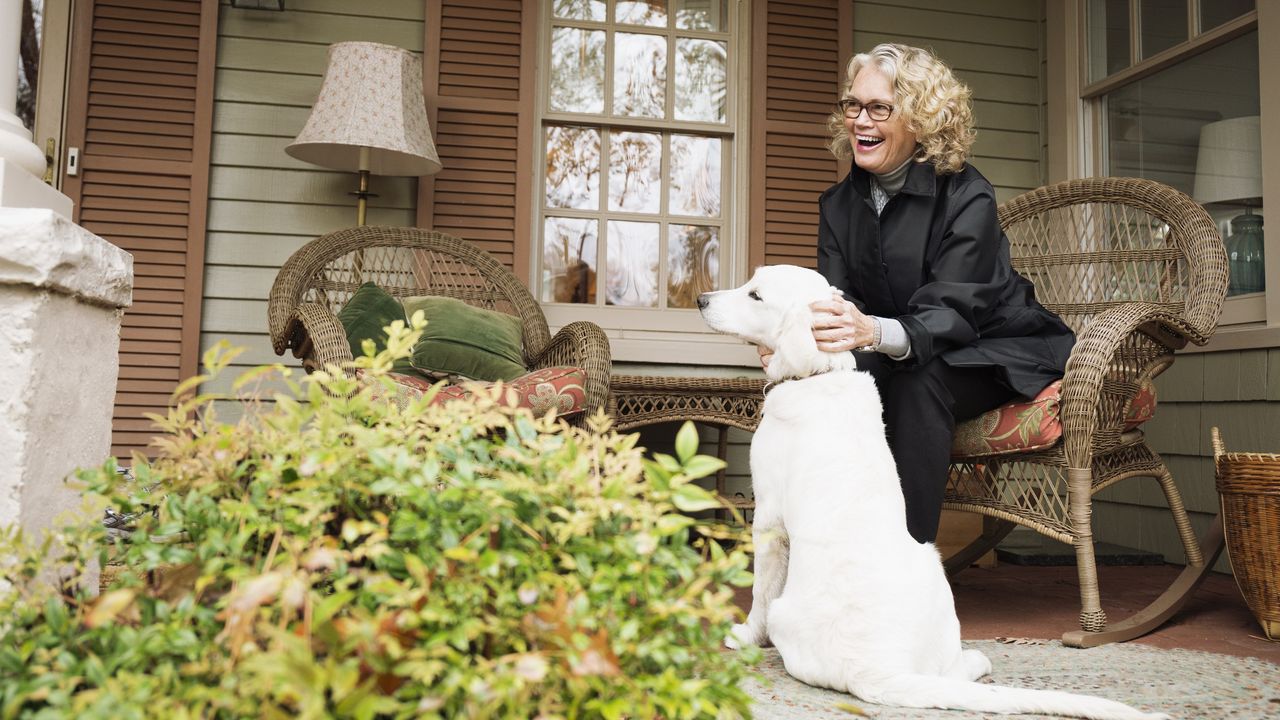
(926, 292)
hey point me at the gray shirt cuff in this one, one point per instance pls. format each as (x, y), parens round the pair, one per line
(893, 339)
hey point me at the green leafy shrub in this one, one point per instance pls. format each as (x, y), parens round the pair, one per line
(343, 557)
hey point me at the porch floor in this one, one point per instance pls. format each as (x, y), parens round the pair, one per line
(1019, 601)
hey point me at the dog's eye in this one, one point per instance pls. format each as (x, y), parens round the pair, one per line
(754, 295)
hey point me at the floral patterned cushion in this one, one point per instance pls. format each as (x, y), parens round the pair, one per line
(555, 388)
(1033, 424)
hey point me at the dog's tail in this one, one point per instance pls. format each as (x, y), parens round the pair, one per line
(930, 691)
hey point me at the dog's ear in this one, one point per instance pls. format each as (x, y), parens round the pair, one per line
(796, 353)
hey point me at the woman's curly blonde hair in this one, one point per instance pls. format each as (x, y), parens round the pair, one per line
(938, 108)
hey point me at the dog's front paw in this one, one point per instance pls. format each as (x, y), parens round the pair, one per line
(740, 636)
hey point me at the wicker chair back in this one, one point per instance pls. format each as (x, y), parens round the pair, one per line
(1093, 244)
(405, 262)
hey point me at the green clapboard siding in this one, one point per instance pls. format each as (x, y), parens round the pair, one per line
(1234, 391)
(263, 204)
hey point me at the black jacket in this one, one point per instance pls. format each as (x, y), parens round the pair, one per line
(937, 260)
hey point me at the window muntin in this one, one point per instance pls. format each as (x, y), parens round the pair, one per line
(1192, 124)
(647, 94)
(1163, 24)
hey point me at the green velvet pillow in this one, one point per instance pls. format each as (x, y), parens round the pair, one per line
(467, 341)
(369, 310)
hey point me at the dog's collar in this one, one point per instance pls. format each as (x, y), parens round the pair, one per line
(775, 383)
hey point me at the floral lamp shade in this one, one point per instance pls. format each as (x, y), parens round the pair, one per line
(370, 115)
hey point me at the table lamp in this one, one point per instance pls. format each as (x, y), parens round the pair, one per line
(1229, 170)
(370, 117)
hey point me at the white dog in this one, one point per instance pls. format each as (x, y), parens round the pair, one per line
(849, 598)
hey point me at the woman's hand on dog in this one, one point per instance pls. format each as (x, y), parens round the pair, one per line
(766, 354)
(839, 326)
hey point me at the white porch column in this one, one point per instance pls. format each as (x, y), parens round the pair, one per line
(22, 164)
(62, 293)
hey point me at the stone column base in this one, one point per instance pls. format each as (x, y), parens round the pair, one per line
(63, 291)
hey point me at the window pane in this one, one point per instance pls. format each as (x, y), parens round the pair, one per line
(577, 70)
(579, 9)
(700, 80)
(693, 263)
(573, 167)
(631, 262)
(1163, 23)
(1170, 127)
(639, 75)
(695, 176)
(1215, 12)
(637, 12)
(569, 260)
(1108, 37)
(711, 15)
(635, 171)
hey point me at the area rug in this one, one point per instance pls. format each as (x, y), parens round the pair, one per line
(1187, 684)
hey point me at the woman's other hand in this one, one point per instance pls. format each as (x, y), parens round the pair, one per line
(766, 354)
(839, 326)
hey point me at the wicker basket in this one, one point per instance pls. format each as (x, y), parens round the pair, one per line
(1249, 486)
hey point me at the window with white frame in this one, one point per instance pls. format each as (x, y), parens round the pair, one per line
(637, 129)
(1174, 85)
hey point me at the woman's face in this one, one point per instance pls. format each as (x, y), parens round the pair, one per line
(879, 146)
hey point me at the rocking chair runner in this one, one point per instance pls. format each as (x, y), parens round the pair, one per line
(1137, 269)
(317, 280)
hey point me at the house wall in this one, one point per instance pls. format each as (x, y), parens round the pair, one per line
(263, 204)
(1235, 391)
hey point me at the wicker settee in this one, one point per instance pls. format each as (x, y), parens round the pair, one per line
(318, 279)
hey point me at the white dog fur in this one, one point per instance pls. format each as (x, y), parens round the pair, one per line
(849, 598)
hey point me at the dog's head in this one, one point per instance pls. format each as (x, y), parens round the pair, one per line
(772, 309)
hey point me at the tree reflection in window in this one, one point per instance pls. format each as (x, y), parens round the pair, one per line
(631, 262)
(653, 215)
(693, 263)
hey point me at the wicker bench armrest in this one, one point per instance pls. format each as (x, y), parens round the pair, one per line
(584, 345)
(317, 337)
(1084, 408)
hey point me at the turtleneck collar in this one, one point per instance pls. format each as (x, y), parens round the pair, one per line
(892, 181)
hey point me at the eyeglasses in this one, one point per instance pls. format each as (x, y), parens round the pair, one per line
(853, 108)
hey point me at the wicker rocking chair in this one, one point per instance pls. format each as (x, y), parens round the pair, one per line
(1137, 269)
(315, 282)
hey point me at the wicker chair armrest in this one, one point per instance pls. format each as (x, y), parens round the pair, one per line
(317, 337)
(1083, 408)
(282, 304)
(584, 345)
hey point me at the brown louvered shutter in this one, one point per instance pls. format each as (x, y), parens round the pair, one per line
(479, 84)
(140, 110)
(798, 52)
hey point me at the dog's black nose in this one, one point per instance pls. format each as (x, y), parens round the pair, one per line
(702, 301)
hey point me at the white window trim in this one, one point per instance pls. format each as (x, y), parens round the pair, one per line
(670, 335)
(1247, 322)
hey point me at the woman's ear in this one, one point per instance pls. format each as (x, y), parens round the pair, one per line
(796, 353)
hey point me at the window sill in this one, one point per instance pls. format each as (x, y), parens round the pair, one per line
(1255, 336)
(652, 336)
